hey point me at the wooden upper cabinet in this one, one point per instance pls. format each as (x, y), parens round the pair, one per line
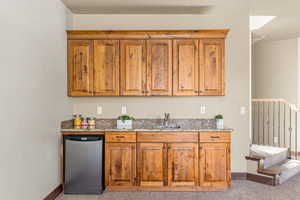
(106, 68)
(215, 164)
(120, 164)
(146, 63)
(183, 164)
(159, 67)
(151, 164)
(80, 68)
(185, 67)
(212, 67)
(133, 67)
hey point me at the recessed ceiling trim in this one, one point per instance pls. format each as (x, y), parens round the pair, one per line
(145, 10)
(257, 22)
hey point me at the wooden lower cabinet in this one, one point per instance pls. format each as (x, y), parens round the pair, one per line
(183, 164)
(195, 164)
(215, 164)
(151, 164)
(120, 164)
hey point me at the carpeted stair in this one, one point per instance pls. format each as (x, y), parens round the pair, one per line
(273, 165)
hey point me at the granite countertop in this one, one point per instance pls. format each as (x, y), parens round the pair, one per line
(149, 125)
(149, 130)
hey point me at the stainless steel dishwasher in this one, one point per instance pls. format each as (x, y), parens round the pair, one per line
(83, 164)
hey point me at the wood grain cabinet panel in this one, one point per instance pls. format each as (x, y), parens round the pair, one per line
(80, 68)
(185, 67)
(106, 68)
(120, 136)
(133, 67)
(120, 164)
(159, 67)
(212, 67)
(151, 164)
(183, 164)
(215, 164)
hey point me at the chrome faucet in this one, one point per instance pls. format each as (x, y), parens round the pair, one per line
(166, 120)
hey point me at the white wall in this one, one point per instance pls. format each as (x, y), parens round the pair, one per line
(33, 96)
(275, 69)
(233, 16)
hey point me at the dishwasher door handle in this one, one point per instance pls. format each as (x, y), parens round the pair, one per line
(84, 138)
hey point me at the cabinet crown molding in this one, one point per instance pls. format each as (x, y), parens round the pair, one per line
(146, 34)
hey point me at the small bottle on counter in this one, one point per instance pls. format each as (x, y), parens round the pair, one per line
(77, 121)
(92, 123)
(84, 123)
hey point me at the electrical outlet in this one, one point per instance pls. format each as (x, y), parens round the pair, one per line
(99, 110)
(124, 110)
(243, 110)
(202, 109)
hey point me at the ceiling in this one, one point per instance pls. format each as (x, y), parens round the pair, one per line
(286, 24)
(140, 6)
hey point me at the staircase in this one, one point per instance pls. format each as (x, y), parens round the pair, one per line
(273, 155)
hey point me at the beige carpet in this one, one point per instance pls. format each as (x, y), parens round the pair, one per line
(240, 190)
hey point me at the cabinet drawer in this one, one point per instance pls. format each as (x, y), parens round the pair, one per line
(167, 136)
(214, 137)
(120, 137)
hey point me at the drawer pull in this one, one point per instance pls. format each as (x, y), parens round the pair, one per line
(183, 148)
(120, 136)
(152, 148)
(214, 137)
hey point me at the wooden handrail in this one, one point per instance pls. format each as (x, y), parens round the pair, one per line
(292, 106)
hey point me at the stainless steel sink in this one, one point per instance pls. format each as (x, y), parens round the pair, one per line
(167, 127)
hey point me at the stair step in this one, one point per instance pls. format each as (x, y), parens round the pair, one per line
(271, 155)
(286, 169)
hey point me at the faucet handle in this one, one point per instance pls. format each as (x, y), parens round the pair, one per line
(167, 115)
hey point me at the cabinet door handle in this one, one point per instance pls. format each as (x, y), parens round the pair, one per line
(183, 148)
(152, 148)
(85, 69)
(120, 136)
(214, 137)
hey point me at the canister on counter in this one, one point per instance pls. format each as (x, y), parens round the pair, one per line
(84, 123)
(77, 121)
(92, 122)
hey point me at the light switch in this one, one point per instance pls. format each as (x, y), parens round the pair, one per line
(243, 110)
(124, 110)
(99, 109)
(202, 109)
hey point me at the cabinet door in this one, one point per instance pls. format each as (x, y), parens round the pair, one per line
(106, 68)
(183, 164)
(185, 67)
(212, 67)
(151, 164)
(80, 68)
(120, 164)
(133, 67)
(159, 67)
(215, 164)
